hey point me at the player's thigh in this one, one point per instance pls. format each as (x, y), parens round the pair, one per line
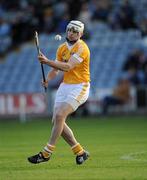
(62, 110)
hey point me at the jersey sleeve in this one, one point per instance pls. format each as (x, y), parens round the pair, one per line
(81, 53)
(58, 54)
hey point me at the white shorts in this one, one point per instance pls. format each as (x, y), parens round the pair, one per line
(73, 94)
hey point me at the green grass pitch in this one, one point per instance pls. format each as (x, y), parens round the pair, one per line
(118, 148)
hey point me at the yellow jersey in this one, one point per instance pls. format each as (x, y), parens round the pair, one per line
(81, 72)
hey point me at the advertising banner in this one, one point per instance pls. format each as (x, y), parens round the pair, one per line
(11, 104)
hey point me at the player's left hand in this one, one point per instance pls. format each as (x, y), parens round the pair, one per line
(42, 58)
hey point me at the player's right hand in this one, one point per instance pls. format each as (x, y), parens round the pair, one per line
(44, 84)
(42, 58)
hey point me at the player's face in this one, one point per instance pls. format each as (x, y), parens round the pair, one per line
(73, 35)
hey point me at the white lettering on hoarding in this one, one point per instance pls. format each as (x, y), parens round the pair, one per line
(30, 103)
(39, 103)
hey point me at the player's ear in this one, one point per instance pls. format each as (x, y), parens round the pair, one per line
(81, 34)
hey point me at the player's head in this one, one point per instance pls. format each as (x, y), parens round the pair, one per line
(74, 31)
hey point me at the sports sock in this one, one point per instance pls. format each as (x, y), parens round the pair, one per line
(77, 149)
(48, 150)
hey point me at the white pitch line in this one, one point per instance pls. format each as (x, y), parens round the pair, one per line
(131, 156)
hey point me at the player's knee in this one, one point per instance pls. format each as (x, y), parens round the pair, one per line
(59, 116)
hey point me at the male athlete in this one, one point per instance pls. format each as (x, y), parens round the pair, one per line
(73, 58)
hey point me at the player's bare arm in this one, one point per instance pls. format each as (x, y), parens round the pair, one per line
(51, 75)
(57, 64)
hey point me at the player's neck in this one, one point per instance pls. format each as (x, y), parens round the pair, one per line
(70, 46)
(71, 43)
